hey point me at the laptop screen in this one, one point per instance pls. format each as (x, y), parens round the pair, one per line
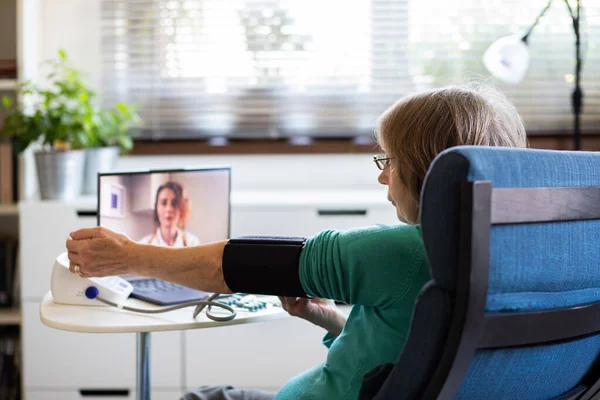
(179, 208)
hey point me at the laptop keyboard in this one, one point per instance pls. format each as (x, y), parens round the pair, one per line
(154, 286)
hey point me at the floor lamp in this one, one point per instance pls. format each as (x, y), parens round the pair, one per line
(508, 59)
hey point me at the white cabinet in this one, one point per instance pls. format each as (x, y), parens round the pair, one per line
(306, 221)
(263, 355)
(45, 227)
(97, 395)
(58, 360)
(77, 395)
(55, 359)
(307, 213)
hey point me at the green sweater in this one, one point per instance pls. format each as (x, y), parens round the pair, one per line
(379, 270)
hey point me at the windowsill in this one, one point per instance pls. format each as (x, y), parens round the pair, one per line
(253, 146)
(541, 140)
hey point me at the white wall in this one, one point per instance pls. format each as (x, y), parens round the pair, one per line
(75, 25)
(277, 172)
(134, 225)
(207, 193)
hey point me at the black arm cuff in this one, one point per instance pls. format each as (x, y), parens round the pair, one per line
(264, 265)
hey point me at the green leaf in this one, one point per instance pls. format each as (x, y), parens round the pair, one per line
(125, 143)
(6, 101)
(123, 108)
(20, 145)
(62, 54)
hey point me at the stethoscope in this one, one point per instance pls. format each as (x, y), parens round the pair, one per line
(92, 293)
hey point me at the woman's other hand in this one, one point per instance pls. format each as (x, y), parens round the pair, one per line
(100, 252)
(321, 312)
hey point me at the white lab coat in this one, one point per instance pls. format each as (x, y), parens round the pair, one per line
(157, 239)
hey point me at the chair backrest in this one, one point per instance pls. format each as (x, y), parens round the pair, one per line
(513, 311)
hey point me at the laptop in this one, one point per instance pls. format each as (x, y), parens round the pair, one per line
(168, 207)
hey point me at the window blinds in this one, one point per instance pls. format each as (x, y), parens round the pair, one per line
(328, 68)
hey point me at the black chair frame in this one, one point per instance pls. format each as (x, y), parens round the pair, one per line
(471, 328)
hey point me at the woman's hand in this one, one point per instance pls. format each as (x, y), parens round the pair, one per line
(321, 312)
(99, 252)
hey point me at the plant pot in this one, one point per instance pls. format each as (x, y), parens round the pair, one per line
(99, 159)
(60, 173)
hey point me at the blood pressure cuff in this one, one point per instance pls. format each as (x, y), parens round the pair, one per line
(264, 265)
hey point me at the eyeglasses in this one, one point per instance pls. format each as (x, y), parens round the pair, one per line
(382, 161)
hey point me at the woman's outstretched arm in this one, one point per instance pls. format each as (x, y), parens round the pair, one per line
(101, 252)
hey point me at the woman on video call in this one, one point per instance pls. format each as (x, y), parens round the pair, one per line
(171, 210)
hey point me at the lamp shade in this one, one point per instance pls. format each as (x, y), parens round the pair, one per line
(507, 58)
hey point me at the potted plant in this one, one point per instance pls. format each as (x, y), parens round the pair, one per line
(109, 137)
(64, 120)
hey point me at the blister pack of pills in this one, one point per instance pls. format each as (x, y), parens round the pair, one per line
(249, 302)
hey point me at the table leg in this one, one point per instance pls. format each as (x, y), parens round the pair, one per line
(143, 366)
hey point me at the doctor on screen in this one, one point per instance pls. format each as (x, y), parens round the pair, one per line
(171, 211)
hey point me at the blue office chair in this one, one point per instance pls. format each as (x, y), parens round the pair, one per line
(513, 310)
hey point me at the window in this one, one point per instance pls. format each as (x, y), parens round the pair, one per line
(328, 68)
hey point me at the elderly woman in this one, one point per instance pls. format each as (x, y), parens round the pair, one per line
(378, 269)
